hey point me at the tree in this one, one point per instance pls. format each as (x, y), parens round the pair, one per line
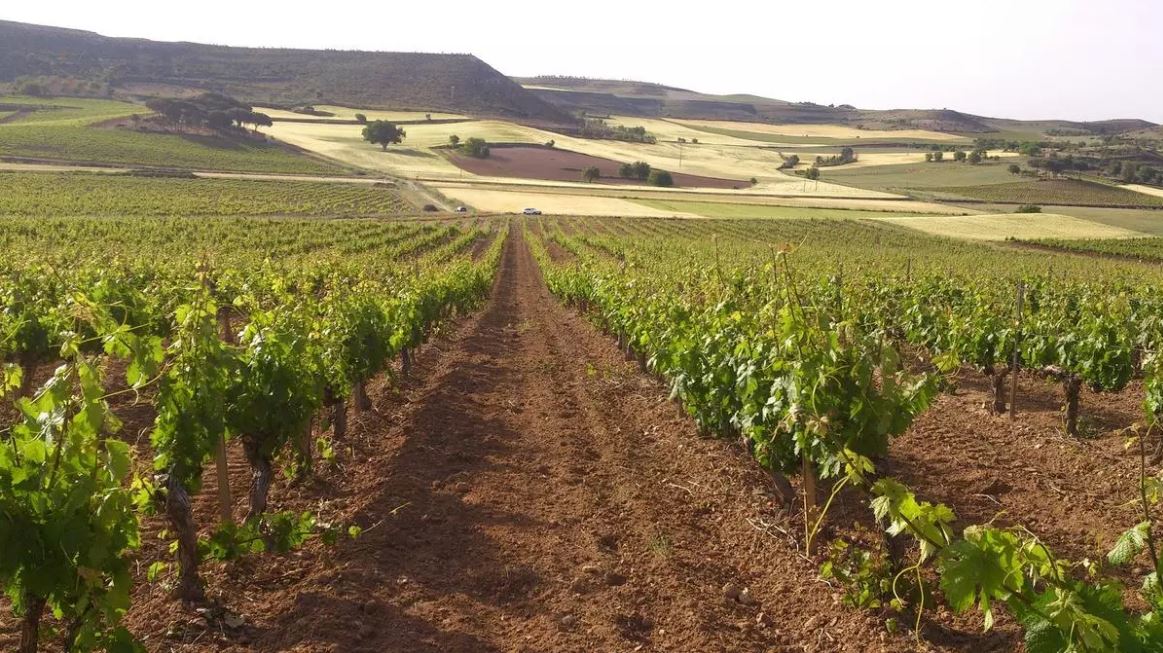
(812, 173)
(695, 141)
(591, 174)
(218, 120)
(360, 118)
(641, 170)
(974, 157)
(454, 140)
(428, 116)
(938, 156)
(660, 178)
(929, 157)
(550, 144)
(626, 170)
(1014, 169)
(260, 120)
(383, 133)
(959, 156)
(476, 147)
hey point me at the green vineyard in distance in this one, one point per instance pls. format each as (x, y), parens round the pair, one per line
(49, 194)
(817, 343)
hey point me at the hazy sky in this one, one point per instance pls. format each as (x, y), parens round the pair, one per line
(1074, 59)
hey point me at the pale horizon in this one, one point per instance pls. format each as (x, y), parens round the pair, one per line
(1069, 60)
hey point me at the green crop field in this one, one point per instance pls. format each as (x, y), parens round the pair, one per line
(1143, 249)
(90, 194)
(1056, 191)
(66, 129)
(922, 176)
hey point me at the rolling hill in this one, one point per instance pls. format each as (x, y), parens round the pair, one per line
(603, 96)
(456, 83)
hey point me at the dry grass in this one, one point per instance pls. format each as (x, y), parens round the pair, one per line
(1013, 225)
(1146, 190)
(514, 201)
(823, 131)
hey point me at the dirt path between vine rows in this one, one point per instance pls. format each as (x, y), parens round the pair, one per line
(532, 491)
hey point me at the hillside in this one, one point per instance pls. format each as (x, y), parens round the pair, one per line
(601, 96)
(456, 83)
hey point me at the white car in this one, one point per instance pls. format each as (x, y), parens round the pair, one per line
(532, 211)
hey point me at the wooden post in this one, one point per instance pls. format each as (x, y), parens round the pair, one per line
(225, 502)
(811, 499)
(1017, 350)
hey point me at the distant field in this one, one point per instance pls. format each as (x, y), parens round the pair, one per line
(922, 176)
(1053, 191)
(1021, 226)
(1146, 190)
(1143, 249)
(807, 132)
(347, 113)
(62, 131)
(414, 158)
(91, 194)
(557, 164)
(729, 210)
(1147, 221)
(510, 201)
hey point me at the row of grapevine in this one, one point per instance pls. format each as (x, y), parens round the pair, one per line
(807, 371)
(254, 352)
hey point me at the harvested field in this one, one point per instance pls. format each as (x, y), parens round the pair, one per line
(534, 162)
(1013, 225)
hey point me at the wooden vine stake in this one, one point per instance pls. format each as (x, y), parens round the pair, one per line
(1017, 350)
(225, 502)
(811, 501)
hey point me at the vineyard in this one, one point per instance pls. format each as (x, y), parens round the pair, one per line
(70, 129)
(89, 194)
(228, 333)
(818, 363)
(1141, 249)
(408, 433)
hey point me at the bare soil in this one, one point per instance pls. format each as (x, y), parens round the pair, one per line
(538, 162)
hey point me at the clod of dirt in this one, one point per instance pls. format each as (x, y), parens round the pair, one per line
(732, 591)
(462, 488)
(568, 621)
(746, 598)
(615, 579)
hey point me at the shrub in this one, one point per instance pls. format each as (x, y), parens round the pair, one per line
(1029, 208)
(360, 118)
(476, 147)
(430, 208)
(661, 178)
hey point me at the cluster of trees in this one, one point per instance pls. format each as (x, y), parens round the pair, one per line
(790, 161)
(54, 85)
(1132, 172)
(474, 147)
(208, 110)
(642, 171)
(846, 155)
(383, 133)
(973, 157)
(597, 128)
(639, 170)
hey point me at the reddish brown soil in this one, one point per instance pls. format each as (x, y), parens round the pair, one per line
(526, 489)
(537, 162)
